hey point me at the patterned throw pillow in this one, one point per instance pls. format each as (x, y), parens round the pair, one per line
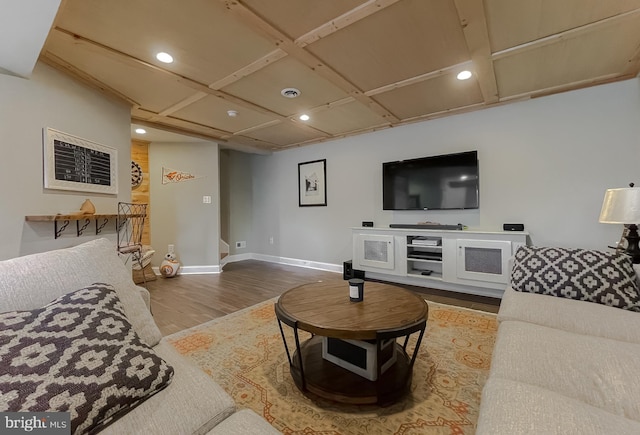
(78, 354)
(586, 275)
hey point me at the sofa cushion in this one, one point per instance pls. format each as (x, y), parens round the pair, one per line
(594, 370)
(603, 277)
(192, 404)
(570, 315)
(515, 408)
(78, 354)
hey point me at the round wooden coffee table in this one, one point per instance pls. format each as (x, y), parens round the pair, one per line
(324, 309)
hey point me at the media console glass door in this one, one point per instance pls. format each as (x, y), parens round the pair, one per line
(483, 260)
(375, 251)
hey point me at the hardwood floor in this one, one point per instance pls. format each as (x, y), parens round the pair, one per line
(188, 300)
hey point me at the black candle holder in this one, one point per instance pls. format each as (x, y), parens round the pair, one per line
(356, 290)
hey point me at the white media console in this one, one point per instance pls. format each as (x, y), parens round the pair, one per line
(474, 262)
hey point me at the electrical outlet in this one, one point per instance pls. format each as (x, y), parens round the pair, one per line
(170, 250)
(206, 199)
(271, 240)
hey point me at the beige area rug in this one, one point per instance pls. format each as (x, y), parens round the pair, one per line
(244, 353)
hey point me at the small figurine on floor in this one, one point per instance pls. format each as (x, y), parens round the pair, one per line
(169, 266)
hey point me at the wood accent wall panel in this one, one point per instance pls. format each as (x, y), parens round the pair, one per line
(140, 194)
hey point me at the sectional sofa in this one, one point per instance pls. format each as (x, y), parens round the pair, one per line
(76, 334)
(567, 354)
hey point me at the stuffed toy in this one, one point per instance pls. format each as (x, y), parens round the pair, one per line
(170, 265)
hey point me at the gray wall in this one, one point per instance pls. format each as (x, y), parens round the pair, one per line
(225, 194)
(50, 99)
(236, 200)
(178, 215)
(240, 202)
(545, 163)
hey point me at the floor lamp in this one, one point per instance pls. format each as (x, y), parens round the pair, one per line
(622, 206)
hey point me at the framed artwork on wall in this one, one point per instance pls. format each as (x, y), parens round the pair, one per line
(312, 183)
(73, 163)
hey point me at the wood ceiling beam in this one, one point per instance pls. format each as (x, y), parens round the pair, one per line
(135, 62)
(330, 105)
(246, 144)
(343, 135)
(633, 64)
(258, 24)
(568, 34)
(257, 127)
(354, 15)
(148, 116)
(580, 84)
(257, 65)
(54, 61)
(182, 104)
(474, 26)
(173, 129)
(197, 86)
(421, 78)
(120, 56)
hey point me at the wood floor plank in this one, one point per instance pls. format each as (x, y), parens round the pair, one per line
(188, 300)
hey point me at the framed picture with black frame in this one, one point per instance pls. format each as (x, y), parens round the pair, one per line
(312, 183)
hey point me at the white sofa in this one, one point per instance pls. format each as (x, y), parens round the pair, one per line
(562, 366)
(191, 404)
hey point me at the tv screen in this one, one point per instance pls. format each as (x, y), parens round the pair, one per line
(444, 182)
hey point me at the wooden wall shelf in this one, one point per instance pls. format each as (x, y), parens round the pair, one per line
(61, 221)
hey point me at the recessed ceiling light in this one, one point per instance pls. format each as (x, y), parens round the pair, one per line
(304, 117)
(464, 75)
(164, 57)
(232, 113)
(141, 130)
(290, 92)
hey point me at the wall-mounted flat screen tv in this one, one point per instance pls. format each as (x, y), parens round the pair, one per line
(446, 182)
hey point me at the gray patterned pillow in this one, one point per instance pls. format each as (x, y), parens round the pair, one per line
(78, 354)
(586, 275)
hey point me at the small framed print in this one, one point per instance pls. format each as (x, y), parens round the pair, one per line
(312, 183)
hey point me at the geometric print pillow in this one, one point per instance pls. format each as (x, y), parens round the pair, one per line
(78, 354)
(586, 275)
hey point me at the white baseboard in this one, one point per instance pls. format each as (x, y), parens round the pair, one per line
(301, 263)
(192, 270)
(202, 270)
(238, 257)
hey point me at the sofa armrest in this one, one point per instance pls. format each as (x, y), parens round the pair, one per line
(146, 296)
(33, 281)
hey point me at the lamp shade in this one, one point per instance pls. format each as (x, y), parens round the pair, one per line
(621, 206)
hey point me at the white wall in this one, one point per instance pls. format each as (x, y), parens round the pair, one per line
(178, 215)
(50, 99)
(545, 163)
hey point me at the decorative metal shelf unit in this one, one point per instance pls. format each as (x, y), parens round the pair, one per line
(61, 222)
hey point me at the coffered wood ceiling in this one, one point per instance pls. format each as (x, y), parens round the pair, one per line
(359, 65)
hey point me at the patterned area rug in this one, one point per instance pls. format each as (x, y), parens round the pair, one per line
(244, 353)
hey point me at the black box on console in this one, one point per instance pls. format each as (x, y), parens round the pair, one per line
(513, 227)
(349, 272)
